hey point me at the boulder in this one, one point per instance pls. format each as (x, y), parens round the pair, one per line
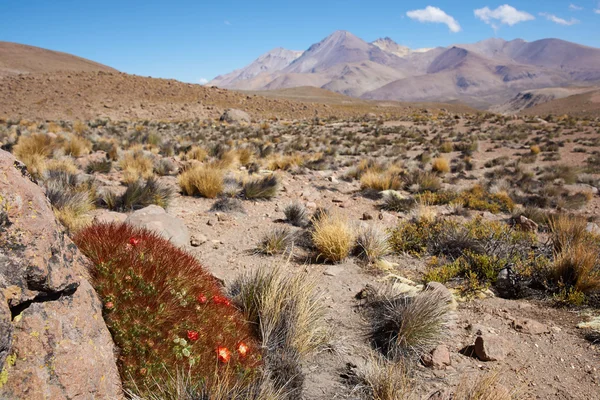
(439, 358)
(234, 116)
(109, 216)
(525, 224)
(491, 348)
(156, 219)
(54, 343)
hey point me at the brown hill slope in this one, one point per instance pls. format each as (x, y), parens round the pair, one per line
(581, 105)
(89, 95)
(20, 59)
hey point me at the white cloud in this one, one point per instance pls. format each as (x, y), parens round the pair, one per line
(203, 81)
(560, 21)
(227, 22)
(435, 15)
(504, 14)
(597, 10)
(575, 7)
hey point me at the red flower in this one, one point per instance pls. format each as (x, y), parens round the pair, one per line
(223, 354)
(201, 299)
(221, 300)
(243, 349)
(109, 305)
(134, 241)
(192, 335)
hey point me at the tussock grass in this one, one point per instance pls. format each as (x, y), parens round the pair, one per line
(71, 198)
(295, 214)
(578, 267)
(394, 202)
(229, 205)
(196, 153)
(380, 181)
(76, 146)
(140, 194)
(289, 318)
(276, 241)
(484, 387)
(440, 165)
(403, 326)
(333, 238)
(33, 150)
(101, 166)
(136, 165)
(204, 181)
(380, 379)
(262, 188)
(372, 244)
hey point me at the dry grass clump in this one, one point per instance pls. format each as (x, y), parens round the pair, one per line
(229, 205)
(100, 166)
(202, 180)
(72, 198)
(33, 150)
(380, 379)
(440, 165)
(567, 231)
(196, 153)
(535, 149)
(295, 214)
(76, 146)
(402, 326)
(63, 164)
(288, 316)
(484, 387)
(261, 188)
(372, 244)
(393, 201)
(136, 165)
(284, 163)
(333, 238)
(275, 241)
(380, 181)
(140, 194)
(164, 311)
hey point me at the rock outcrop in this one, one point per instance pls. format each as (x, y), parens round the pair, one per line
(54, 343)
(156, 219)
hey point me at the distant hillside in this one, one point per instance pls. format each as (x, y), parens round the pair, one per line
(22, 59)
(484, 74)
(582, 105)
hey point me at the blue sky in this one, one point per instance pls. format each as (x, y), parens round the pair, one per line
(191, 40)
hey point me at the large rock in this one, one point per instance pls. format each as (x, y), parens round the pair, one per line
(54, 343)
(156, 219)
(491, 348)
(234, 116)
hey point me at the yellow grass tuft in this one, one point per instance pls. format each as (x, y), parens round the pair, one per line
(202, 180)
(333, 238)
(440, 165)
(535, 149)
(33, 151)
(136, 165)
(380, 181)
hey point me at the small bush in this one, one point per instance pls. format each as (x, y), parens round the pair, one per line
(165, 167)
(333, 238)
(440, 165)
(275, 241)
(71, 197)
(446, 147)
(196, 153)
(295, 214)
(577, 267)
(76, 146)
(420, 182)
(535, 149)
(165, 312)
(402, 326)
(261, 188)
(202, 181)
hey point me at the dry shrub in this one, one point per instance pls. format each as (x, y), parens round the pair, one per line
(295, 214)
(164, 310)
(333, 237)
(535, 149)
(201, 180)
(578, 267)
(567, 231)
(284, 163)
(65, 164)
(72, 198)
(136, 165)
(402, 326)
(196, 153)
(140, 194)
(440, 165)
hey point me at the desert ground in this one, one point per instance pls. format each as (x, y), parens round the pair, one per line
(500, 210)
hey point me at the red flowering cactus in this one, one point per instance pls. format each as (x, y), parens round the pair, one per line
(164, 310)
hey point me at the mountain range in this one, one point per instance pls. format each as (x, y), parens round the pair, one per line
(484, 74)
